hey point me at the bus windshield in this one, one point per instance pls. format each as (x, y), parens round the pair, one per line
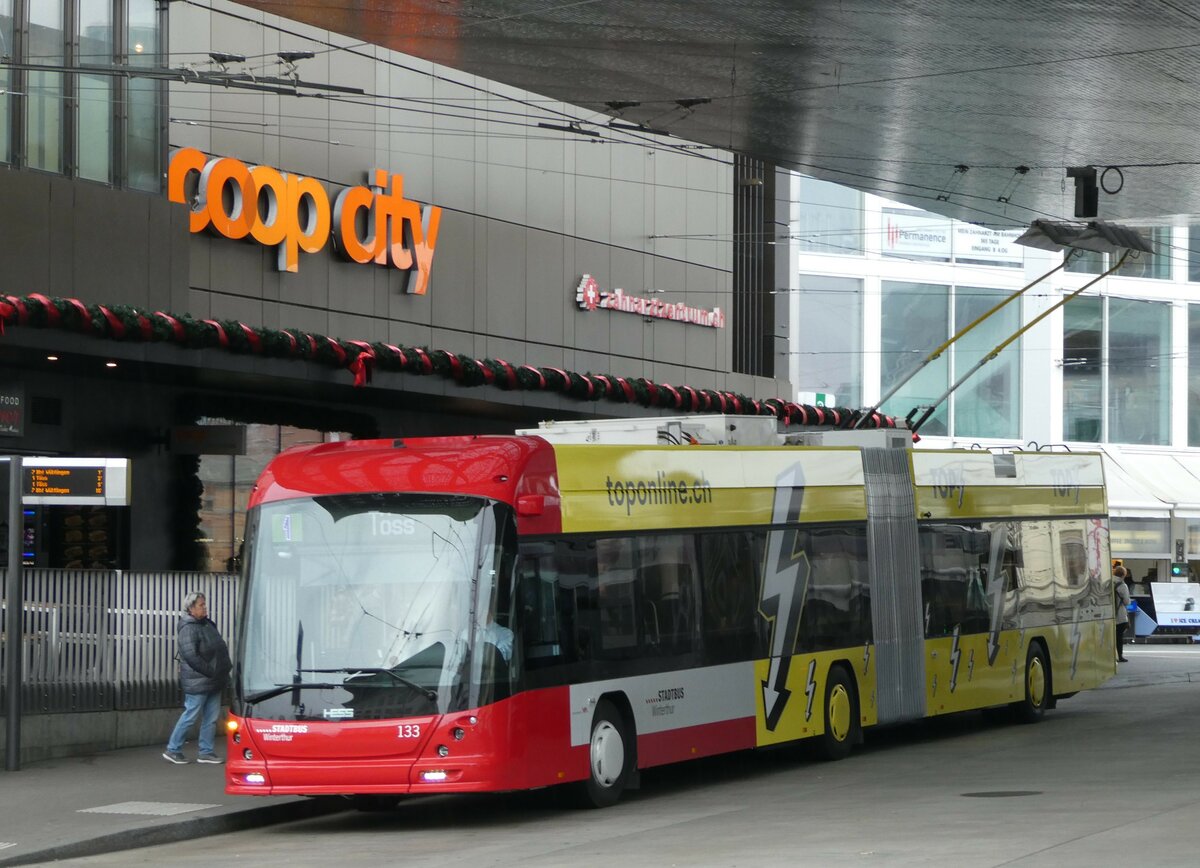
(359, 606)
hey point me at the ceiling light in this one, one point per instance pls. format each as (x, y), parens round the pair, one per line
(110, 364)
(52, 358)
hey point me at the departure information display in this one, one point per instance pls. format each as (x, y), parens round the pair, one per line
(80, 481)
(64, 481)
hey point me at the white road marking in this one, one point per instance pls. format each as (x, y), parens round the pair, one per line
(157, 809)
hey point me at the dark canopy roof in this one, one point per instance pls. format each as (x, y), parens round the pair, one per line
(932, 102)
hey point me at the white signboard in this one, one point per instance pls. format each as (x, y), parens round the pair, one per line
(1176, 604)
(916, 233)
(817, 399)
(986, 245)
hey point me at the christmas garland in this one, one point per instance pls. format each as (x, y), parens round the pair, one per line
(361, 359)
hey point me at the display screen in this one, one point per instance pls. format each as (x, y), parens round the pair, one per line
(64, 481)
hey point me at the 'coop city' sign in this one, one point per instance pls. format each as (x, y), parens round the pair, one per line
(590, 296)
(370, 223)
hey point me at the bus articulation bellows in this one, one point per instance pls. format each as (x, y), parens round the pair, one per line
(470, 614)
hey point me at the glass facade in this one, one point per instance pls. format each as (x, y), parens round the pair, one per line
(6, 50)
(142, 131)
(829, 340)
(915, 319)
(94, 132)
(1117, 359)
(1083, 343)
(1139, 371)
(95, 121)
(986, 405)
(1193, 374)
(1155, 265)
(44, 89)
(1193, 254)
(831, 218)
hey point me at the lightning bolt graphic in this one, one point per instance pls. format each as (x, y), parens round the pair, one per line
(785, 586)
(1000, 580)
(954, 655)
(810, 688)
(1076, 635)
(866, 658)
(971, 665)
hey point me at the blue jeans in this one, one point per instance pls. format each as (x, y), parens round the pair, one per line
(206, 706)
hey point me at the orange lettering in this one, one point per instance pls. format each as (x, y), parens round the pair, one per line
(345, 214)
(269, 225)
(184, 162)
(292, 213)
(236, 222)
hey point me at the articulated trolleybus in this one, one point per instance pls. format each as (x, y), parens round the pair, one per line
(583, 601)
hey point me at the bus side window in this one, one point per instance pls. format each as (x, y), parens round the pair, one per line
(729, 567)
(618, 603)
(667, 577)
(953, 568)
(537, 611)
(555, 605)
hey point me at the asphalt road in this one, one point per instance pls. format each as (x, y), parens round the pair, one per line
(1110, 777)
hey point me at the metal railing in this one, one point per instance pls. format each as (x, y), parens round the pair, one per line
(97, 640)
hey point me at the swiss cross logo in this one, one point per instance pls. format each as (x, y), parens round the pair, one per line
(588, 293)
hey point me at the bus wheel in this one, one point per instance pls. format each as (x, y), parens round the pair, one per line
(610, 757)
(842, 726)
(1037, 686)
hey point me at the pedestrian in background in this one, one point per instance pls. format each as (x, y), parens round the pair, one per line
(204, 667)
(1121, 603)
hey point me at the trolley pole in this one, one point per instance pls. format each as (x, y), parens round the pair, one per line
(13, 628)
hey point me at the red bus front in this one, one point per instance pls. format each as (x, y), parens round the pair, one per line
(376, 655)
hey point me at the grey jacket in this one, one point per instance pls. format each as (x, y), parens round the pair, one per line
(204, 663)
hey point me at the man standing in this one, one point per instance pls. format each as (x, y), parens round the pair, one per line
(204, 667)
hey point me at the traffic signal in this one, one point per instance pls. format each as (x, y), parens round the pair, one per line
(1179, 570)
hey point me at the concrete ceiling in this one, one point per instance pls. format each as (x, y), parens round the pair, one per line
(932, 102)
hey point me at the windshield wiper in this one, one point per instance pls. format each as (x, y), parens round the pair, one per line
(279, 689)
(376, 670)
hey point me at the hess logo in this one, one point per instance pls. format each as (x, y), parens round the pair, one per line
(373, 223)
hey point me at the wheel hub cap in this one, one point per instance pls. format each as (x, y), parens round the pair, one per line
(1037, 682)
(608, 754)
(839, 713)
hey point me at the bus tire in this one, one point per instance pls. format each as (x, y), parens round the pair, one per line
(610, 757)
(842, 725)
(1038, 686)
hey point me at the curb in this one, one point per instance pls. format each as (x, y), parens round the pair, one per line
(183, 830)
(1120, 683)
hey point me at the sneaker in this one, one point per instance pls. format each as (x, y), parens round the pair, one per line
(174, 756)
(210, 758)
